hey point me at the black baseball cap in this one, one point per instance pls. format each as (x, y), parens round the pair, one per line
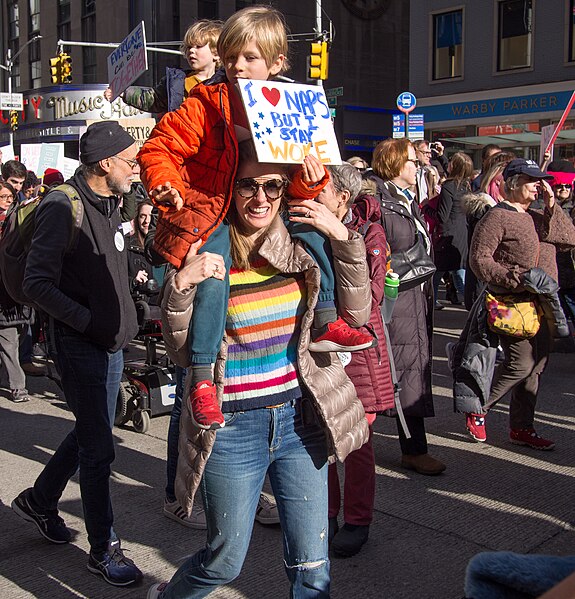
(520, 166)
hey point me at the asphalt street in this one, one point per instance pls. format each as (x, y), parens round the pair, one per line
(493, 496)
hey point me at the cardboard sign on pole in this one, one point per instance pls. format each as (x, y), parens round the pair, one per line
(288, 121)
(128, 61)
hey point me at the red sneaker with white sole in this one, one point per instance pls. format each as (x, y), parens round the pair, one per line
(475, 424)
(339, 336)
(205, 408)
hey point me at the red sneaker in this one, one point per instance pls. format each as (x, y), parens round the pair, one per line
(528, 436)
(475, 424)
(206, 411)
(339, 336)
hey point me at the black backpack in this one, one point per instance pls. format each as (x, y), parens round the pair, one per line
(15, 240)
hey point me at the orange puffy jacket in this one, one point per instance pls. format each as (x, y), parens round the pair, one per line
(194, 148)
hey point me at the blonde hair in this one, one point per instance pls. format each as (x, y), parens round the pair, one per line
(265, 25)
(199, 34)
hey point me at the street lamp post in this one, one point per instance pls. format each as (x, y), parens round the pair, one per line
(8, 67)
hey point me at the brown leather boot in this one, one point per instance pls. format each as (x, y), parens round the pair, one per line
(422, 464)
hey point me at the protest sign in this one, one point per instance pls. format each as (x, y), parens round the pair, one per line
(49, 157)
(288, 121)
(546, 136)
(128, 61)
(7, 153)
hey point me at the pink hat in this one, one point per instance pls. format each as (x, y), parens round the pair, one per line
(52, 177)
(561, 177)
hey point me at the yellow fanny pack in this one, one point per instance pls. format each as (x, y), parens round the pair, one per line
(516, 315)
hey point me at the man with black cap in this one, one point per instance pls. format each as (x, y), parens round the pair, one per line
(81, 282)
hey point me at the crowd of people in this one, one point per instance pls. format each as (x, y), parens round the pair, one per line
(272, 311)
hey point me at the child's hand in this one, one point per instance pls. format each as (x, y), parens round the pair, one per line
(108, 94)
(199, 267)
(313, 170)
(168, 196)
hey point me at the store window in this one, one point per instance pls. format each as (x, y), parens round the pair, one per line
(515, 25)
(89, 74)
(208, 9)
(64, 27)
(448, 45)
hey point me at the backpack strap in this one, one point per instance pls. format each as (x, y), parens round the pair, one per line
(77, 213)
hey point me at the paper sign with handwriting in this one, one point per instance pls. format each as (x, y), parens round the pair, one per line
(128, 61)
(288, 121)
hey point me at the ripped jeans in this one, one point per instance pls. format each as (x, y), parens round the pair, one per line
(253, 443)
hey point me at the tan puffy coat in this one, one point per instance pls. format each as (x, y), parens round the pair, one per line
(334, 396)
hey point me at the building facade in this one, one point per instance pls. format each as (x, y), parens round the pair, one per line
(368, 63)
(493, 71)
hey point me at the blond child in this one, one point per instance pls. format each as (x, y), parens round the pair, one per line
(199, 48)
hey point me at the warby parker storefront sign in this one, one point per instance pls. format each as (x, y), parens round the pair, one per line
(63, 108)
(501, 107)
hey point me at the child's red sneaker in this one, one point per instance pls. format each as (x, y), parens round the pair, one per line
(205, 408)
(339, 336)
(475, 424)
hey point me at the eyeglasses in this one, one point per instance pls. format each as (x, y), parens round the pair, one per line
(6, 196)
(415, 161)
(558, 186)
(424, 152)
(273, 188)
(131, 163)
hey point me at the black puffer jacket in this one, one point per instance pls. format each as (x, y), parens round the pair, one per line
(411, 328)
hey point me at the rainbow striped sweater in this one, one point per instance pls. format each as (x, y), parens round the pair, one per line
(262, 327)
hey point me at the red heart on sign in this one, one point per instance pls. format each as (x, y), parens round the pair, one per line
(271, 95)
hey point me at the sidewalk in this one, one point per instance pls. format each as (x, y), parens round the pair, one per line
(493, 496)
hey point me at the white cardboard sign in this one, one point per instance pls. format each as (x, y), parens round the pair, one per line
(288, 121)
(128, 61)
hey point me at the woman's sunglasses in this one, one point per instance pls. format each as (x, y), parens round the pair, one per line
(563, 186)
(248, 188)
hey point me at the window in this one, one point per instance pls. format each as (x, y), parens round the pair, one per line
(89, 74)
(514, 34)
(64, 27)
(34, 17)
(571, 19)
(208, 9)
(13, 41)
(448, 45)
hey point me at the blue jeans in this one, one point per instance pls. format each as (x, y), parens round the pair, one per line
(90, 380)
(174, 435)
(211, 303)
(274, 441)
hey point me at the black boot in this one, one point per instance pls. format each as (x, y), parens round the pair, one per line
(349, 540)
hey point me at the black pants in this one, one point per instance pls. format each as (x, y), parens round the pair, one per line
(417, 445)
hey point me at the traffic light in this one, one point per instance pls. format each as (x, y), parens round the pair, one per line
(318, 61)
(13, 120)
(66, 68)
(56, 69)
